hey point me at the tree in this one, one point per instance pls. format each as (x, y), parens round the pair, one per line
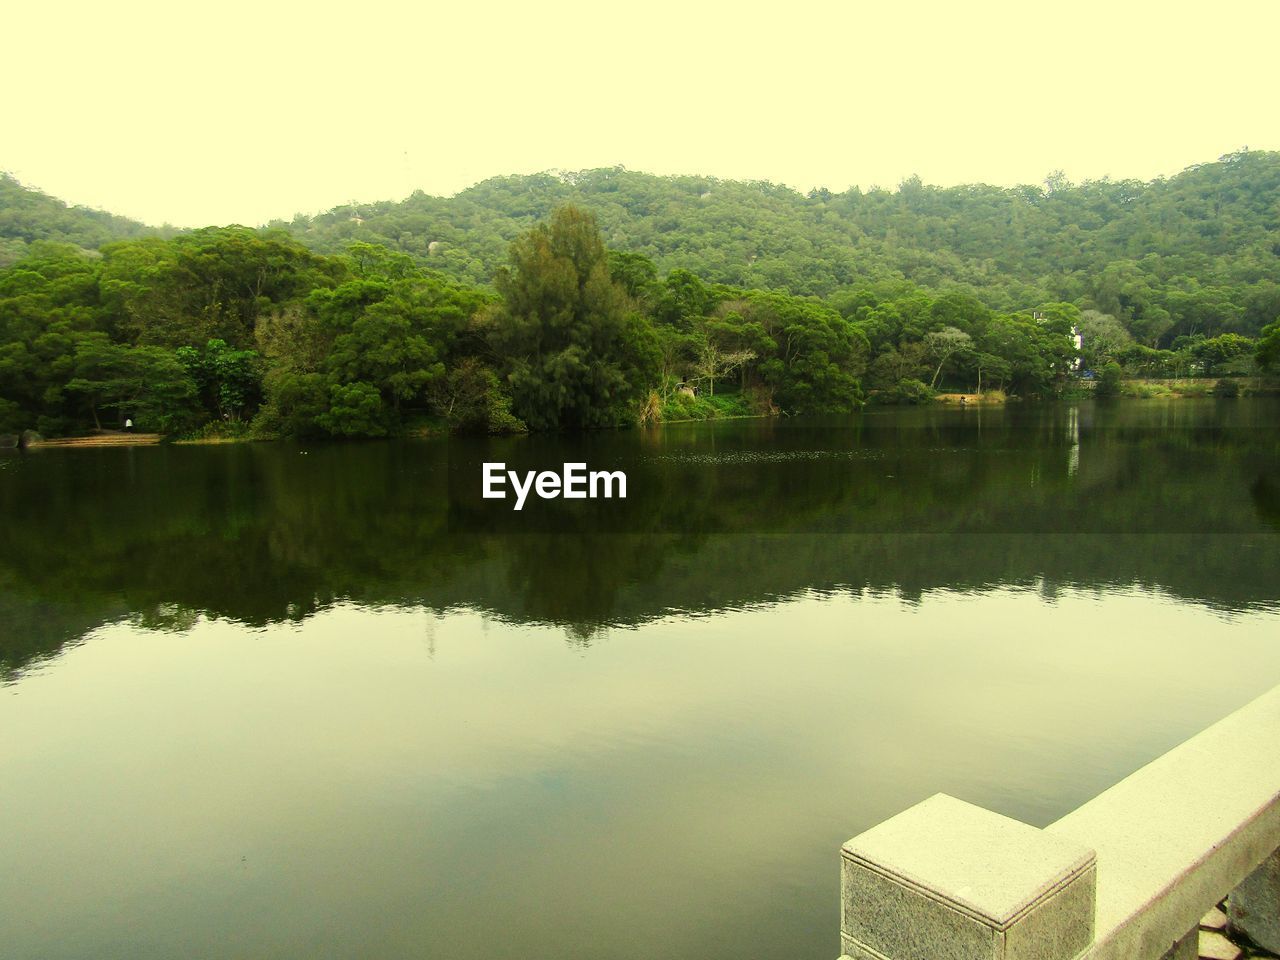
(1037, 355)
(146, 384)
(210, 283)
(1102, 337)
(103, 374)
(1216, 351)
(894, 365)
(385, 351)
(944, 344)
(714, 364)
(355, 410)
(583, 333)
(1109, 380)
(228, 380)
(986, 365)
(296, 402)
(819, 355)
(684, 298)
(571, 352)
(11, 416)
(676, 351)
(635, 273)
(470, 397)
(723, 345)
(1267, 351)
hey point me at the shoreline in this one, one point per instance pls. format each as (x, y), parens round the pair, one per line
(100, 440)
(1165, 390)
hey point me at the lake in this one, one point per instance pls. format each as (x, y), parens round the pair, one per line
(298, 700)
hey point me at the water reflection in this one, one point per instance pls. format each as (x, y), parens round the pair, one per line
(393, 782)
(723, 516)
(266, 702)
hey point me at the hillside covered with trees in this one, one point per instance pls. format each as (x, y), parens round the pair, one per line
(1198, 253)
(28, 215)
(609, 297)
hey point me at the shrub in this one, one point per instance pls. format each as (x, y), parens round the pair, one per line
(650, 409)
(472, 400)
(355, 410)
(219, 430)
(11, 417)
(1226, 388)
(1145, 391)
(906, 390)
(1109, 380)
(683, 407)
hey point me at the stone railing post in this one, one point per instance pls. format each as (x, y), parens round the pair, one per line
(946, 880)
(1254, 907)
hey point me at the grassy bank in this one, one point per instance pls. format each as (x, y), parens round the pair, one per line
(1193, 387)
(680, 407)
(101, 440)
(985, 398)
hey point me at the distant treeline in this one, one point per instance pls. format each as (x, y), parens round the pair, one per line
(609, 297)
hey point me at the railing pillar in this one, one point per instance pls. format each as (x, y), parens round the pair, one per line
(946, 880)
(1254, 907)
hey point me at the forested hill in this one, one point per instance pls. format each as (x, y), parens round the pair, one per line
(629, 298)
(1205, 242)
(1196, 253)
(27, 215)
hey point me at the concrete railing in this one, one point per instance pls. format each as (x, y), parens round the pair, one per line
(1127, 876)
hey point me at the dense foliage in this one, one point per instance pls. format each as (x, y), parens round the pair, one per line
(573, 352)
(29, 215)
(607, 297)
(1198, 253)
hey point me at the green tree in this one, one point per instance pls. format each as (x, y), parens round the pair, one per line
(1267, 351)
(942, 345)
(385, 351)
(146, 384)
(1216, 351)
(1109, 380)
(819, 358)
(228, 380)
(470, 397)
(572, 353)
(1102, 337)
(355, 410)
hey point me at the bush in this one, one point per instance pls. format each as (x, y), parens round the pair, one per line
(12, 418)
(683, 407)
(1146, 391)
(472, 400)
(650, 409)
(1109, 380)
(54, 426)
(1226, 388)
(906, 390)
(219, 430)
(355, 410)
(294, 403)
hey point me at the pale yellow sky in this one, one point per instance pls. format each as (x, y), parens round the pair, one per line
(247, 111)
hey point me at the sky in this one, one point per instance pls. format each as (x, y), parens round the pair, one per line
(243, 112)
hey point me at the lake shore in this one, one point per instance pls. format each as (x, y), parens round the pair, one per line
(101, 440)
(1160, 389)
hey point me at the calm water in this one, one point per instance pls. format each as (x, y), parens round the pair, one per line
(291, 701)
